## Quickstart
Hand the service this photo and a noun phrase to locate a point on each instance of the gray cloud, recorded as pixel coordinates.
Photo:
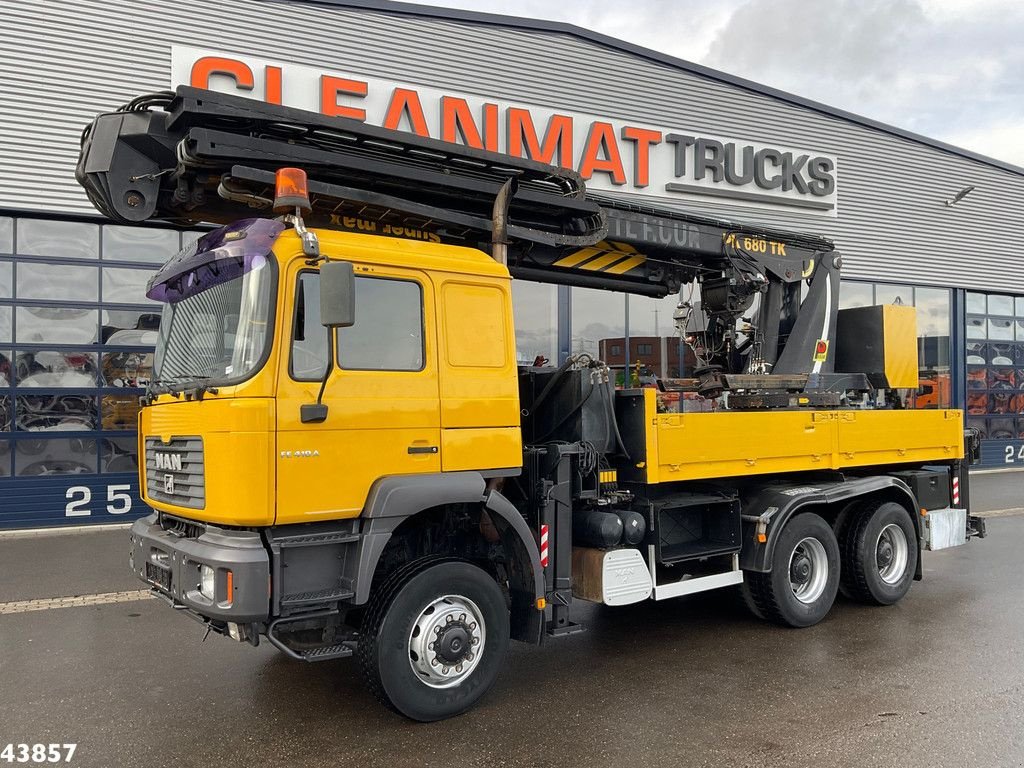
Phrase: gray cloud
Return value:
(949, 69)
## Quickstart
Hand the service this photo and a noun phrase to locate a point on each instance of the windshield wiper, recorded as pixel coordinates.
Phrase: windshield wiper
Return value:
(177, 385)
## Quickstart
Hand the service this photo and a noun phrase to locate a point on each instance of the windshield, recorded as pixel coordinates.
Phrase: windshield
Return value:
(217, 335)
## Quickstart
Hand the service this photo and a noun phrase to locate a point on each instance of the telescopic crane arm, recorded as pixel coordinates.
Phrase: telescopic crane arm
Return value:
(193, 156)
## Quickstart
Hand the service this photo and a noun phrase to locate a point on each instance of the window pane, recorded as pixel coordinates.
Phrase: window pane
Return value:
(597, 316)
(894, 294)
(56, 325)
(535, 308)
(119, 454)
(6, 234)
(61, 239)
(119, 412)
(1000, 329)
(127, 369)
(62, 282)
(55, 413)
(932, 311)
(976, 303)
(130, 328)
(388, 332)
(1000, 305)
(309, 338)
(50, 369)
(5, 323)
(854, 295)
(933, 348)
(61, 456)
(125, 286)
(5, 414)
(138, 244)
(6, 370)
(652, 326)
(977, 328)
(6, 279)
(5, 458)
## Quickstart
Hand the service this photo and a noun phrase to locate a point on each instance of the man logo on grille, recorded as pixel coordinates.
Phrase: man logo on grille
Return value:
(168, 483)
(170, 461)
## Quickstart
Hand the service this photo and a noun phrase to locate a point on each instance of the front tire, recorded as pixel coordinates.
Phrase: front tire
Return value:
(434, 638)
(801, 587)
(879, 554)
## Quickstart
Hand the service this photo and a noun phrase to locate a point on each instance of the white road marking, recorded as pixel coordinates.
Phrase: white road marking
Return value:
(49, 603)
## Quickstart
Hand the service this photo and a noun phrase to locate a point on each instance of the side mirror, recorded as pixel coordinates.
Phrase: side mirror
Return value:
(337, 294)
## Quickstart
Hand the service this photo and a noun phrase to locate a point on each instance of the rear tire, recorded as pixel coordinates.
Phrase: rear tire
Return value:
(879, 554)
(434, 637)
(802, 584)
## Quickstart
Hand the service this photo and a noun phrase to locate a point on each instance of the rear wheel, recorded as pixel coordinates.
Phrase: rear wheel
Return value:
(434, 638)
(802, 585)
(879, 554)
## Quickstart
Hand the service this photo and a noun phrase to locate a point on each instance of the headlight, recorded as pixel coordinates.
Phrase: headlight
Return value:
(207, 582)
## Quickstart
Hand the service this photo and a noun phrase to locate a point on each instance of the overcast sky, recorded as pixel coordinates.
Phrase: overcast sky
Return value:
(948, 69)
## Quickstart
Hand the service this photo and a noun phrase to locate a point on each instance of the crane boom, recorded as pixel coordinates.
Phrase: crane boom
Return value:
(191, 156)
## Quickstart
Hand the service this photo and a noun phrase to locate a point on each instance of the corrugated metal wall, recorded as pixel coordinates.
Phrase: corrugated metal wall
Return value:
(60, 63)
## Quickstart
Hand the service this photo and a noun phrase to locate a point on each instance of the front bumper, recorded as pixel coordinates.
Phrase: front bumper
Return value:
(170, 562)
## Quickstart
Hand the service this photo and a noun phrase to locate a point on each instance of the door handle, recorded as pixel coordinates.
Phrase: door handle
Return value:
(422, 449)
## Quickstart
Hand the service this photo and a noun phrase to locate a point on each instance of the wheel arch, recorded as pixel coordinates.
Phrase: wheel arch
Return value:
(399, 501)
(767, 511)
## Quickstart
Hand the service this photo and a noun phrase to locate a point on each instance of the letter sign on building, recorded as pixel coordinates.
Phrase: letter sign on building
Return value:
(611, 154)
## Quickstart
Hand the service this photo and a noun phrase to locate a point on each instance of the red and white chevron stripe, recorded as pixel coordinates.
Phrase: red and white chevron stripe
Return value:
(956, 491)
(543, 546)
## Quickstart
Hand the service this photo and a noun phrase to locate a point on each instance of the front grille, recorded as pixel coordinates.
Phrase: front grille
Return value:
(177, 526)
(174, 471)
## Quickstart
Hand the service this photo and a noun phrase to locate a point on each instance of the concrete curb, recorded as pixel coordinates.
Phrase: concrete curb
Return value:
(31, 533)
(1001, 512)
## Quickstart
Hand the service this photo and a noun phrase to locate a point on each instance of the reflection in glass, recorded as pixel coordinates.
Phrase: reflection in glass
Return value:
(894, 294)
(137, 244)
(6, 279)
(55, 456)
(48, 368)
(388, 332)
(61, 239)
(6, 234)
(56, 325)
(5, 324)
(127, 368)
(5, 458)
(130, 328)
(125, 286)
(1000, 305)
(120, 412)
(654, 341)
(6, 371)
(855, 295)
(596, 315)
(535, 308)
(118, 454)
(55, 413)
(63, 282)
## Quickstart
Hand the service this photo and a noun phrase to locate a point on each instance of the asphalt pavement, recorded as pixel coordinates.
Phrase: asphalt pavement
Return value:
(937, 680)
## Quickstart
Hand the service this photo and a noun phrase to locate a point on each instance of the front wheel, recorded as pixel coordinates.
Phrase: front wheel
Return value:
(434, 638)
(802, 584)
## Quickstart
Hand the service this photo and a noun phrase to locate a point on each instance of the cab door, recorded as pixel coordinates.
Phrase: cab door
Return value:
(382, 397)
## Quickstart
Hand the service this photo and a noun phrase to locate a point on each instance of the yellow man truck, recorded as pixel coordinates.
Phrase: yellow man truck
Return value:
(344, 457)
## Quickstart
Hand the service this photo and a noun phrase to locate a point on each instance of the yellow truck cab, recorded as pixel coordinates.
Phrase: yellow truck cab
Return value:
(345, 458)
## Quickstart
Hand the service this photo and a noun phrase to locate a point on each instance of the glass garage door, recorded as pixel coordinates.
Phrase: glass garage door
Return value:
(76, 352)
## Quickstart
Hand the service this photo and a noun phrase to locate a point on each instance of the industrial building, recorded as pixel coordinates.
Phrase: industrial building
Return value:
(76, 331)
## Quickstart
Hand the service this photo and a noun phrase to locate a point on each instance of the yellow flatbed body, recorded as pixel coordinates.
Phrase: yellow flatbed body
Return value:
(705, 446)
